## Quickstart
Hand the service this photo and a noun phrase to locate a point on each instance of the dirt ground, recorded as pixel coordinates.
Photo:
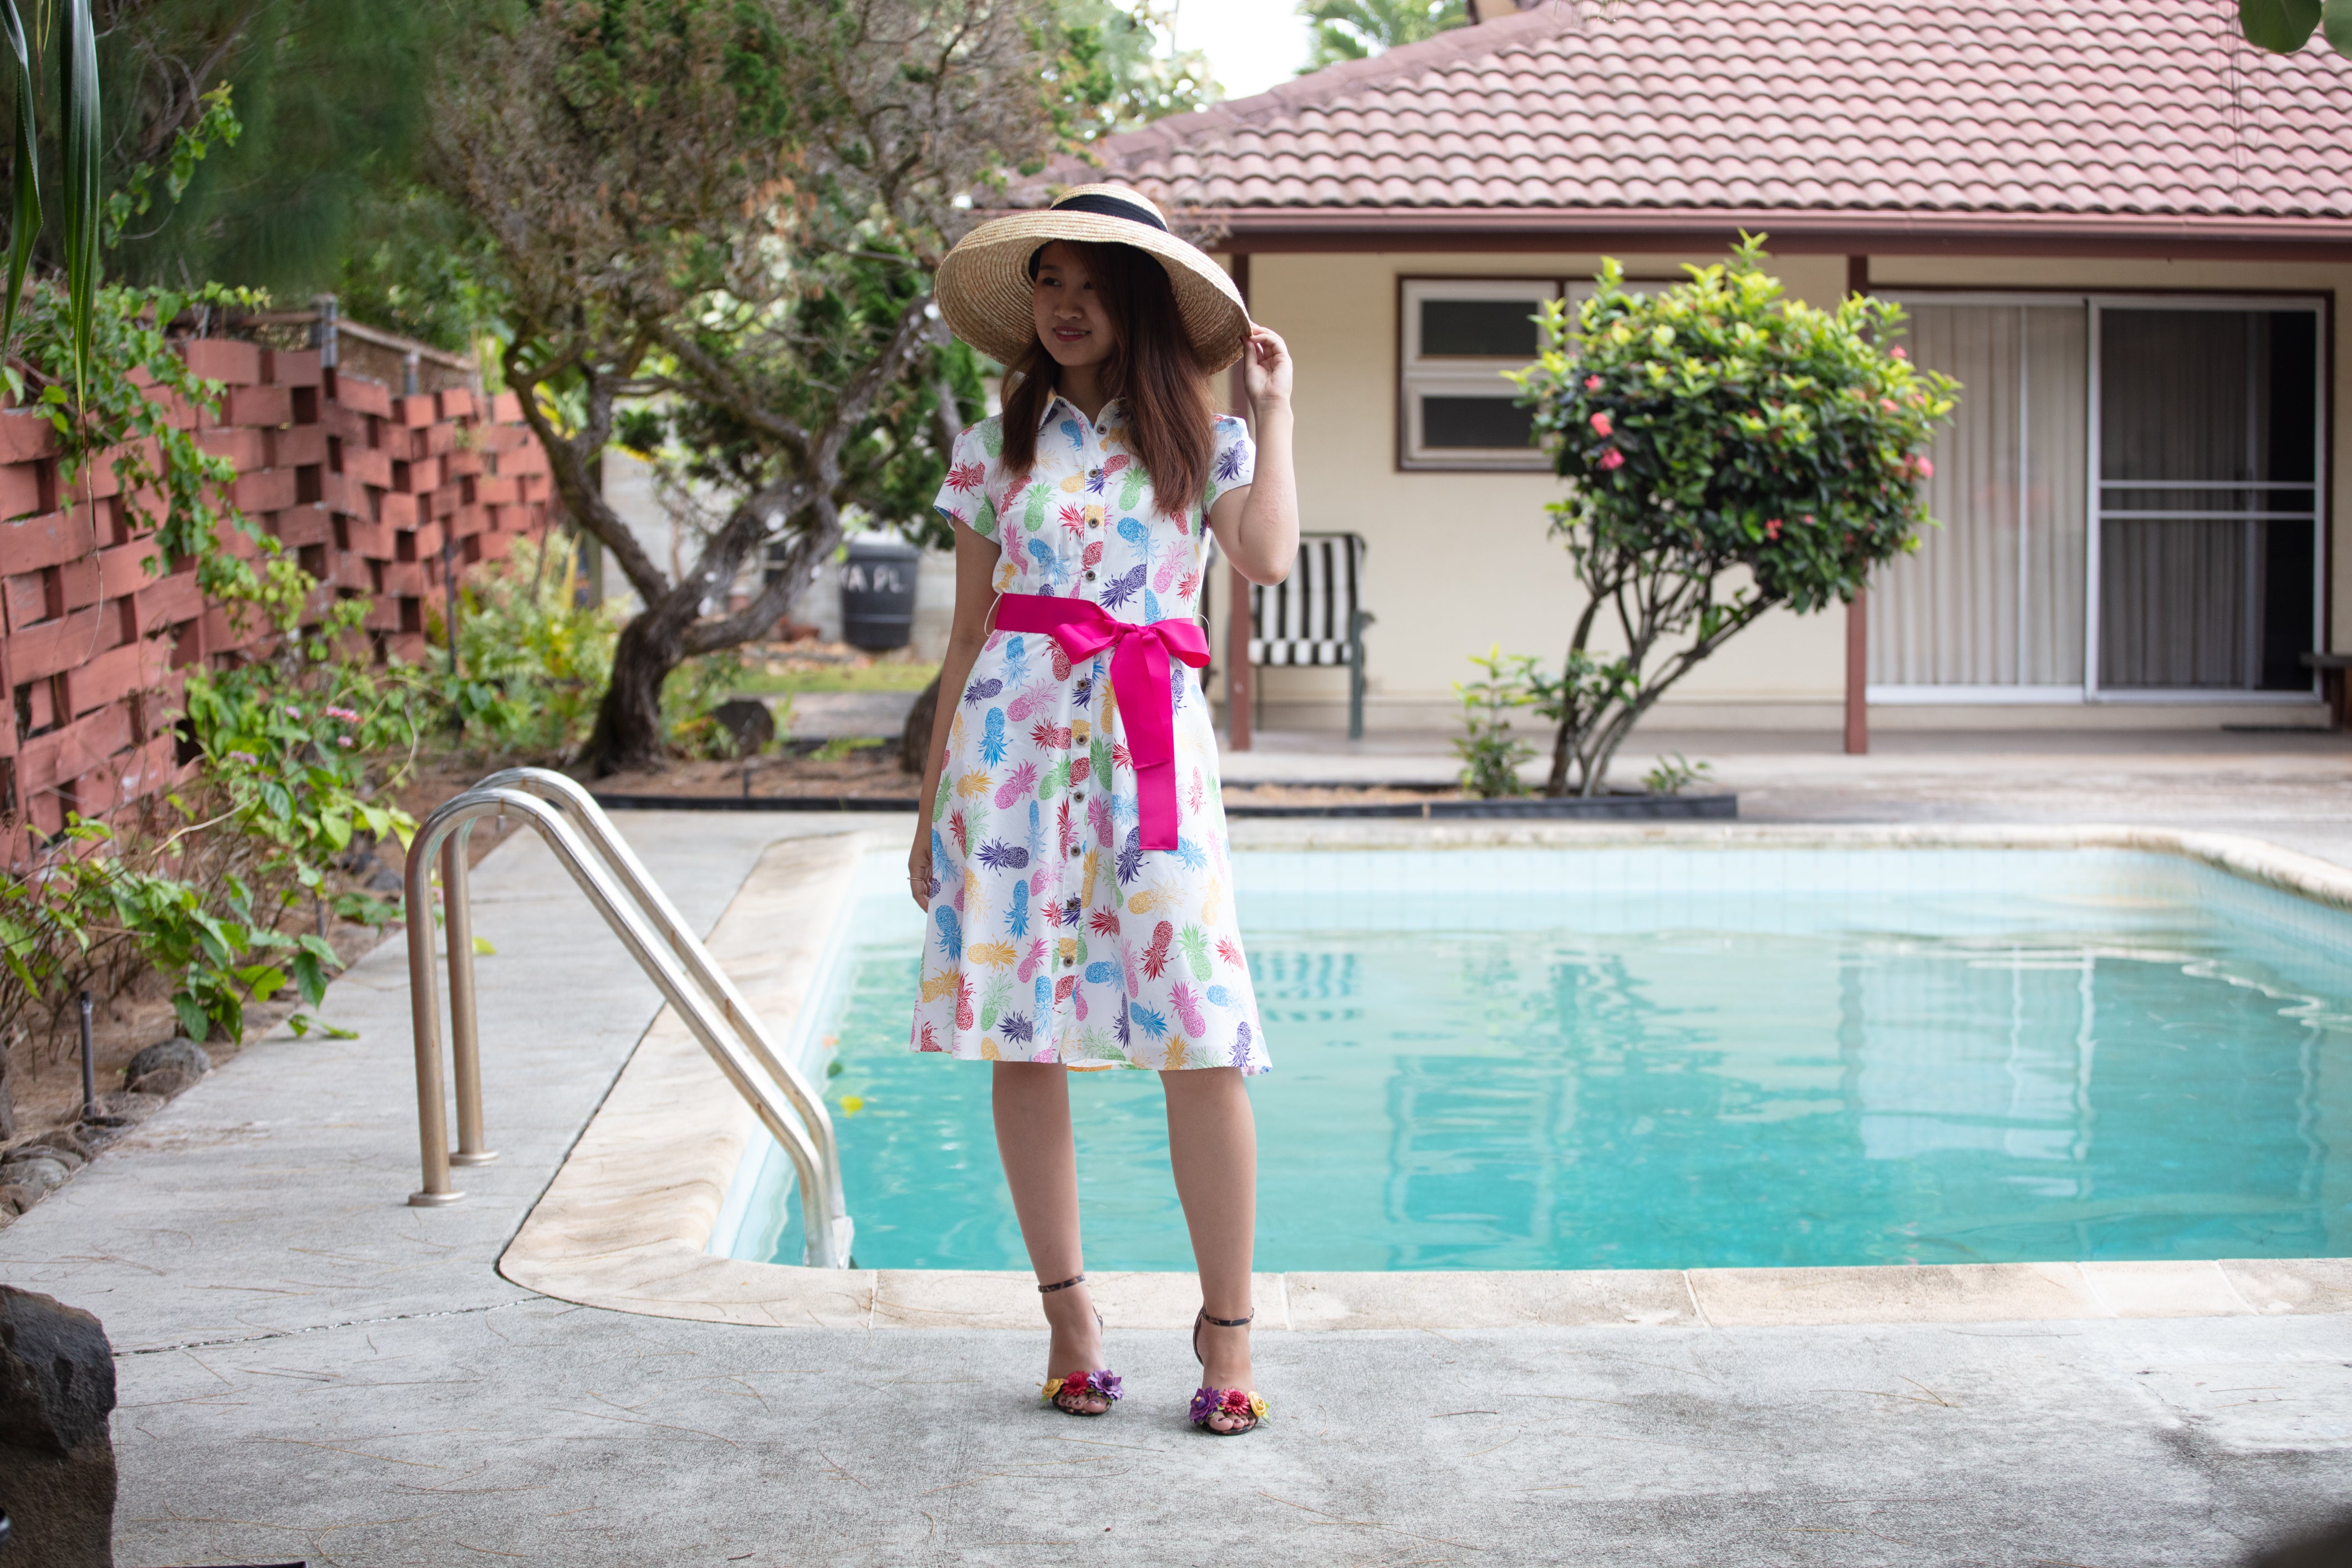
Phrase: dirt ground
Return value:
(870, 773)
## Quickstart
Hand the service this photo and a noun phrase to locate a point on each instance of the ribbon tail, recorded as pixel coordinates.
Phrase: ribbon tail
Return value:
(1139, 671)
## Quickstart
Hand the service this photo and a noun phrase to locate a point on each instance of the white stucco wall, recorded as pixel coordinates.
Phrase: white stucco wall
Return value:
(1456, 562)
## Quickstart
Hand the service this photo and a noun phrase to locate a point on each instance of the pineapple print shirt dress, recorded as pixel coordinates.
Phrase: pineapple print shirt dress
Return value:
(1054, 934)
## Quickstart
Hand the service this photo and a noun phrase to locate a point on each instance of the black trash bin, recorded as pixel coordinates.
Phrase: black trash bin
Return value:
(877, 593)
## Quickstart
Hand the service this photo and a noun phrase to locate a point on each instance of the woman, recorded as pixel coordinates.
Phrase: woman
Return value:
(1074, 867)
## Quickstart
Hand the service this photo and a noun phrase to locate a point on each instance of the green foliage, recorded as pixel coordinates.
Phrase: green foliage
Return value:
(534, 659)
(692, 690)
(335, 99)
(1673, 774)
(91, 913)
(1356, 30)
(1113, 72)
(300, 753)
(415, 268)
(81, 145)
(1729, 450)
(1490, 753)
(137, 376)
(307, 749)
(533, 662)
(1717, 422)
(893, 464)
(217, 122)
(2283, 27)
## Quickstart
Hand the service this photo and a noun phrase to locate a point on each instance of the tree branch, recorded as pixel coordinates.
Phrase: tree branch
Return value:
(568, 458)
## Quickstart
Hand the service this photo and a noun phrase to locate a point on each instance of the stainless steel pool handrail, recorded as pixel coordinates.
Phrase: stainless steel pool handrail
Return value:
(652, 930)
(567, 795)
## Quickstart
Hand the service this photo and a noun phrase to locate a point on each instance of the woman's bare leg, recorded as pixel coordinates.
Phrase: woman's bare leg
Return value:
(1212, 1149)
(1031, 1101)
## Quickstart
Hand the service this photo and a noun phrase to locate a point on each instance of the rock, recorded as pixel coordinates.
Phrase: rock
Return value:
(92, 1133)
(40, 1174)
(57, 1457)
(178, 1051)
(132, 1106)
(15, 1200)
(749, 722)
(60, 1145)
(385, 881)
(169, 1082)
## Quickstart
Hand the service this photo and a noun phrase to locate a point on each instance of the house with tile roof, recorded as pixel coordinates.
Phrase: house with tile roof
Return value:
(2123, 229)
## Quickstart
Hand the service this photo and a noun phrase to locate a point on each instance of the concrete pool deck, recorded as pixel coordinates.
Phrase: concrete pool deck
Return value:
(310, 1369)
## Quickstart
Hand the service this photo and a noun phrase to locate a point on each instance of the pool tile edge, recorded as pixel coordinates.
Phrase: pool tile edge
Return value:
(623, 1225)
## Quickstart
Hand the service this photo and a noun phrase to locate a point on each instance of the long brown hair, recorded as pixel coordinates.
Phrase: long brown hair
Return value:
(1151, 370)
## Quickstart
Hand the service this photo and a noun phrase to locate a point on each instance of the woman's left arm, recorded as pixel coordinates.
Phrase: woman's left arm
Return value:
(1256, 524)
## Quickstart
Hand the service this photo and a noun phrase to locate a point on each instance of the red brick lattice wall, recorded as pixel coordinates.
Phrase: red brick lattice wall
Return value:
(361, 486)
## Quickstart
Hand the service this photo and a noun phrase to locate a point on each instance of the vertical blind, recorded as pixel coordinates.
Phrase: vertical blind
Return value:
(1994, 597)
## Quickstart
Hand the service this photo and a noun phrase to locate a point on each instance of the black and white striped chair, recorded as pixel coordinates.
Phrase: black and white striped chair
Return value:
(1316, 615)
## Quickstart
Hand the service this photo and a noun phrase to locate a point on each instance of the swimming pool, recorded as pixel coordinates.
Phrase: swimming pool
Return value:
(1671, 1057)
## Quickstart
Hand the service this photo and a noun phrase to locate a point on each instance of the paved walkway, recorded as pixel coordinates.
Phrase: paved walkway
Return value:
(2293, 789)
(310, 1369)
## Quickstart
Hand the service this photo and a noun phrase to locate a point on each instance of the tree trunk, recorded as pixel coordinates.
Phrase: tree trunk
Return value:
(629, 734)
(915, 739)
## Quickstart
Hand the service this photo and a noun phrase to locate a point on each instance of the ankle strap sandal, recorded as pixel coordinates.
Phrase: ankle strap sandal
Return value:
(1066, 1393)
(1241, 1405)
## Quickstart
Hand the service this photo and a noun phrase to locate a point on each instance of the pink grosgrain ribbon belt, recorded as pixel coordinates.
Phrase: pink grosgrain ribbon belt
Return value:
(1139, 678)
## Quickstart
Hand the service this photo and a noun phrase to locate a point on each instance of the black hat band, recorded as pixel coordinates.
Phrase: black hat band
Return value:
(1110, 206)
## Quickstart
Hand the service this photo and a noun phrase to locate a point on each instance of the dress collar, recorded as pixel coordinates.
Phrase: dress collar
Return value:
(1062, 407)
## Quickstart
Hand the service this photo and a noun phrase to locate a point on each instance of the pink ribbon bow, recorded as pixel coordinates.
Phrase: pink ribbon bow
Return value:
(1139, 678)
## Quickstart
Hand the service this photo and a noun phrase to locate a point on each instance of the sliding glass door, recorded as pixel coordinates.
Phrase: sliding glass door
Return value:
(2129, 502)
(2208, 498)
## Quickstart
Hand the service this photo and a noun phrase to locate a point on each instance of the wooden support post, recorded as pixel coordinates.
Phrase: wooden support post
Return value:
(1857, 676)
(1237, 587)
(1857, 613)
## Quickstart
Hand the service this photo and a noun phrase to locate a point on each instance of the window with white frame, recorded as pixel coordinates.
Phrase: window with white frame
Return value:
(2129, 495)
(1460, 335)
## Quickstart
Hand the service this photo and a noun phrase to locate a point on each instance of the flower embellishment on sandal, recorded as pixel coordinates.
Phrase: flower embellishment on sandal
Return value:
(1235, 1405)
(1083, 1385)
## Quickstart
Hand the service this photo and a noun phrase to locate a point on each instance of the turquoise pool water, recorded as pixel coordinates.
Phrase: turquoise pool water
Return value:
(1673, 1058)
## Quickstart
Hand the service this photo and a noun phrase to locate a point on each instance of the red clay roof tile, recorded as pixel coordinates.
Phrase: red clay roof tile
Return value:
(2157, 110)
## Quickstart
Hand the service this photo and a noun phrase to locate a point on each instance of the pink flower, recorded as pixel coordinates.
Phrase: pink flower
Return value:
(1772, 528)
(1612, 459)
(1592, 383)
(1897, 352)
(1601, 426)
(1887, 403)
(343, 740)
(1926, 469)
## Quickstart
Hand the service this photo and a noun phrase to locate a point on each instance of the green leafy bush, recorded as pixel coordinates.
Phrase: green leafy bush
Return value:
(1490, 753)
(98, 914)
(533, 663)
(1729, 451)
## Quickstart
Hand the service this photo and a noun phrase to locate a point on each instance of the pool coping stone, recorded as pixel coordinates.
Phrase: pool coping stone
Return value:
(624, 1224)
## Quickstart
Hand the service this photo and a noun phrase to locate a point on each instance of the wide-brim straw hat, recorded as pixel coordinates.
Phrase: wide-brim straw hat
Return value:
(984, 287)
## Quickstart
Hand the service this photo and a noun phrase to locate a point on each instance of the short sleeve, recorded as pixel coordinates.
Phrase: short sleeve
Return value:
(1235, 458)
(963, 495)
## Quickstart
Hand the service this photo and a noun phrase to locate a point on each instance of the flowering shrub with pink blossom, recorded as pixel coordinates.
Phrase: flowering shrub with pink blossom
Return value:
(1729, 450)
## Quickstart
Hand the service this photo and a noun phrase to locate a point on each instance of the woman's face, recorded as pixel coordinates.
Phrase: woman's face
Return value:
(1071, 320)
